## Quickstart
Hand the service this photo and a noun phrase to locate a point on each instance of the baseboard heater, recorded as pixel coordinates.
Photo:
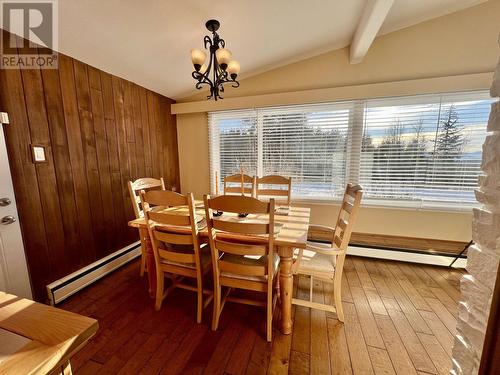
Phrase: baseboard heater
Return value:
(61, 289)
(404, 255)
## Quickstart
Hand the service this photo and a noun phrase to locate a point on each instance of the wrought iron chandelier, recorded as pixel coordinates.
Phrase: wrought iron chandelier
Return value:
(221, 69)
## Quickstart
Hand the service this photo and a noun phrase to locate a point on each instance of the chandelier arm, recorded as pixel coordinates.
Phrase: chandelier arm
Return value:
(208, 41)
(202, 80)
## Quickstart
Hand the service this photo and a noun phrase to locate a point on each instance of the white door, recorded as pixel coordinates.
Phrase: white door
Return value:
(14, 276)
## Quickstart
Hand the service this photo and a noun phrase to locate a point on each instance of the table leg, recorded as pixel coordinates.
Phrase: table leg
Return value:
(150, 261)
(286, 289)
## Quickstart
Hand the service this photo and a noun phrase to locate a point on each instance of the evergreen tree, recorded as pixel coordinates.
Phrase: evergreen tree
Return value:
(449, 146)
(450, 140)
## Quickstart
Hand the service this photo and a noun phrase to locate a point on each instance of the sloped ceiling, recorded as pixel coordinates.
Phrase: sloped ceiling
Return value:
(149, 41)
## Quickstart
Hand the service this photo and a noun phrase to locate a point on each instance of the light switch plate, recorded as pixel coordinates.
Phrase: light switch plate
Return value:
(4, 118)
(38, 153)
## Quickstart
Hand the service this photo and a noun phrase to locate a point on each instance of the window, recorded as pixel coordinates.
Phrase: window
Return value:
(420, 151)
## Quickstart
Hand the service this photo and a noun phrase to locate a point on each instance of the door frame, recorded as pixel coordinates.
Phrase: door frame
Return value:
(13, 264)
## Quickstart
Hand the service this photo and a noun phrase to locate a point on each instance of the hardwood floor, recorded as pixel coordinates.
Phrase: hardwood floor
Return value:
(400, 319)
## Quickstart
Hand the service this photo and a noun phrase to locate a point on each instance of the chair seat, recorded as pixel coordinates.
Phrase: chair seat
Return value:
(322, 245)
(316, 264)
(206, 257)
(249, 260)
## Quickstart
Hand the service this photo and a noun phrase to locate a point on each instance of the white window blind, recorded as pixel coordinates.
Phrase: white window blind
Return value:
(233, 143)
(309, 144)
(424, 149)
(410, 151)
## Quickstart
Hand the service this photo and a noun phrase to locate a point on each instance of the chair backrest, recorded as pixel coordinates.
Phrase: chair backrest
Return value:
(234, 186)
(274, 186)
(347, 216)
(250, 237)
(135, 187)
(172, 221)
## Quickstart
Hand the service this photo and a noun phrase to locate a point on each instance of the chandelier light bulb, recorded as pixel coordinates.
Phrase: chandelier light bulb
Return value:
(233, 68)
(203, 69)
(198, 58)
(223, 57)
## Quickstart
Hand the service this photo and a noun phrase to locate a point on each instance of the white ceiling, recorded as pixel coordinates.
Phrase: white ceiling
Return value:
(149, 41)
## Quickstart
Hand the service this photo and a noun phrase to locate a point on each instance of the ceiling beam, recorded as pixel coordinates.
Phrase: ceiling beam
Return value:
(369, 25)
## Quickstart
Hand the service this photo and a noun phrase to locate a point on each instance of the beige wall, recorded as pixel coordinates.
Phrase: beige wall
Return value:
(461, 43)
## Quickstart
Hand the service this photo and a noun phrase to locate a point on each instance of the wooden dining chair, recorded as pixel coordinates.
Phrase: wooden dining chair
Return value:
(275, 186)
(243, 255)
(134, 189)
(233, 185)
(173, 229)
(325, 261)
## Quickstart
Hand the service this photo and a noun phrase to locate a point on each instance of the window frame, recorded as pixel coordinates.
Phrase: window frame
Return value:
(356, 127)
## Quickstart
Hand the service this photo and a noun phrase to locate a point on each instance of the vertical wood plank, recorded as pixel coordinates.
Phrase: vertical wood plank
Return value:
(62, 162)
(86, 254)
(139, 139)
(100, 135)
(145, 132)
(90, 152)
(47, 183)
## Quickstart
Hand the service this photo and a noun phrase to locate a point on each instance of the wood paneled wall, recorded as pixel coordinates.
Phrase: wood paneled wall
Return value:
(99, 132)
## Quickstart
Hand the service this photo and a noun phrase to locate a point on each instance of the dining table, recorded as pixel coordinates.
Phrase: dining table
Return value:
(39, 339)
(294, 224)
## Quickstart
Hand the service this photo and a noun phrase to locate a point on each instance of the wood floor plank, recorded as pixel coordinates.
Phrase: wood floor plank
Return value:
(446, 300)
(351, 274)
(183, 353)
(438, 356)
(414, 296)
(415, 350)
(415, 280)
(166, 349)
(89, 368)
(375, 302)
(142, 356)
(424, 276)
(450, 289)
(439, 330)
(364, 277)
(299, 363)
(416, 299)
(380, 361)
(397, 352)
(280, 353)
(329, 297)
(358, 352)
(391, 303)
(220, 356)
(366, 320)
(259, 358)
(404, 302)
(112, 366)
(301, 339)
(340, 363)
(443, 314)
(319, 355)
(240, 356)
(346, 291)
(378, 279)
